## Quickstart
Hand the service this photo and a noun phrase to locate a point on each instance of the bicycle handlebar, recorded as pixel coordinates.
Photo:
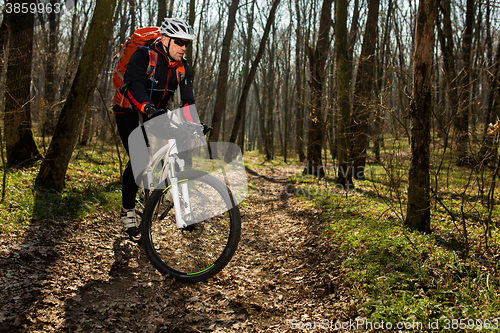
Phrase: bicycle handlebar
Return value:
(191, 128)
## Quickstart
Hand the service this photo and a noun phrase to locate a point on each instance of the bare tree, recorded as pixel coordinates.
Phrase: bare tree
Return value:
(299, 88)
(344, 178)
(462, 117)
(19, 142)
(363, 91)
(317, 61)
(489, 149)
(220, 100)
(162, 12)
(192, 17)
(248, 39)
(50, 72)
(418, 209)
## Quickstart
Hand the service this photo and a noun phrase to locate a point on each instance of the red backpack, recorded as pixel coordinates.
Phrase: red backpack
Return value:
(140, 38)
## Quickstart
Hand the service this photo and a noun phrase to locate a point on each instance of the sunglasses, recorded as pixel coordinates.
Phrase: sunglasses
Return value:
(181, 42)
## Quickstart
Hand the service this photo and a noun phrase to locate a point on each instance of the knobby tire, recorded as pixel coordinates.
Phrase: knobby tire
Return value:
(203, 249)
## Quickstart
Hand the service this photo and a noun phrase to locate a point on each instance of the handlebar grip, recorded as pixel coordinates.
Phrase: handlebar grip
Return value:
(206, 128)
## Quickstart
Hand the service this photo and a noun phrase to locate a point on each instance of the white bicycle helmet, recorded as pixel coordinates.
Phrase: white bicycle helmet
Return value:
(176, 28)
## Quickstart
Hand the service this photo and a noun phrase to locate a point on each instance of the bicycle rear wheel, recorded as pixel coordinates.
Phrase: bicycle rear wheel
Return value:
(203, 248)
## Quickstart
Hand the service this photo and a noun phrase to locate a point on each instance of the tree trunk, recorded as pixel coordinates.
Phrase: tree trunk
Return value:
(270, 78)
(246, 71)
(344, 178)
(4, 36)
(488, 148)
(382, 60)
(353, 36)
(162, 12)
(50, 74)
(192, 16)
(418, 210)
(363, 91)
(262, 122)
(317, 61)
(288, 60)
(462, 118)
(20, 144)
(87, 128)
(446, 40)
(489, 56)
(54, 166)
(171, 8)
(133, 15)
(300, 90)
(220, 99)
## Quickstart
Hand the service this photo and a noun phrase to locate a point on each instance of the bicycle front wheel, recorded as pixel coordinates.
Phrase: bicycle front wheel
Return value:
(207, 244)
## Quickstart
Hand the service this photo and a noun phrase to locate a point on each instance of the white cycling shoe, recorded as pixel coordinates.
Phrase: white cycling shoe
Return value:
(131, 223)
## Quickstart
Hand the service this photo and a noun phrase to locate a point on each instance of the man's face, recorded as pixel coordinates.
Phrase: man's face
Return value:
(176, 51)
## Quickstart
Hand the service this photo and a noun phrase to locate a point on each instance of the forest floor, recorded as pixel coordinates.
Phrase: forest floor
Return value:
(86, 276)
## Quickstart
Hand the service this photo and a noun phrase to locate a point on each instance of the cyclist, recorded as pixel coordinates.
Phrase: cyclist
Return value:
(170, 48)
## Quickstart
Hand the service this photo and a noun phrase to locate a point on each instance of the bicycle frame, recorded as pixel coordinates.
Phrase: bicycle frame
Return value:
(168, 155)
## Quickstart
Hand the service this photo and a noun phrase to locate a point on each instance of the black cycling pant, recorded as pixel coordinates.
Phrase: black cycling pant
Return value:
(126, 123)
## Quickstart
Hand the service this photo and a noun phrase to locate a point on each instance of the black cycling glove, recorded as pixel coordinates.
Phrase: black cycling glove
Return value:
(151, 111)
(206, 128)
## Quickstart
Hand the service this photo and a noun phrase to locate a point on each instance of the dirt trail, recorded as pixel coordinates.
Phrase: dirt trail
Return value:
(87, 277)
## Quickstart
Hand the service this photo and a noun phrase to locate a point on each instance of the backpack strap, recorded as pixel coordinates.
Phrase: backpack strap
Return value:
(178, 94)
(181, 72)
(181, 75)
(153, 58)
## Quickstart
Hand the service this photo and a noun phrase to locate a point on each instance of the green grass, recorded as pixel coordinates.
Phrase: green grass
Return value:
(397, 275)
(255, 160)
(90, 188)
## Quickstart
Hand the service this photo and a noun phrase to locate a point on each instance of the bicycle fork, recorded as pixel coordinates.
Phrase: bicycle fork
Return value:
(175, 191)
(169, 173)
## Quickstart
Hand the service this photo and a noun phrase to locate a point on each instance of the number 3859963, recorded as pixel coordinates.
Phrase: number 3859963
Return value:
(24, 8)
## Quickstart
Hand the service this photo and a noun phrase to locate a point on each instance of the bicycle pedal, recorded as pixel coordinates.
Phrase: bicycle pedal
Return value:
(190, 227)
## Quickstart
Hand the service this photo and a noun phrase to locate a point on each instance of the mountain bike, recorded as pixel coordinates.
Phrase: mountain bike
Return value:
(191, 223)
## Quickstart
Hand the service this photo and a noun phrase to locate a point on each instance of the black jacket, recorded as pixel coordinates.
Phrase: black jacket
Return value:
(165, 80)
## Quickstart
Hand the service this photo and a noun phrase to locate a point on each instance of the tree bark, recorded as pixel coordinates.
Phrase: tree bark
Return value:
(446, 41)
(462, 118)
(382, 60)
(363, 91)
(353, 36)
(317, 61)
(287, 88)
(270, 78)
(19, 142)
(50, 73)
(344, 178)
(192, 17)
(418, 210)
(162, 12)
(220, 99)
(171, 8)
(300, 90)
(489, 148)
(54, 166)
(489, 60)
(240, 140)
